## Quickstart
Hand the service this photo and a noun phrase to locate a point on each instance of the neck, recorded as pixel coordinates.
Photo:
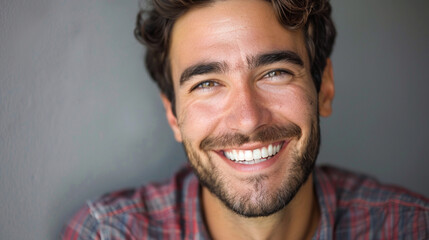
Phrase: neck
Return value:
(298, 220)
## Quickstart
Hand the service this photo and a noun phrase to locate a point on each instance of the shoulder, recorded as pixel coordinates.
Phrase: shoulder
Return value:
(355, 189)
(366, 204)
(144, 212)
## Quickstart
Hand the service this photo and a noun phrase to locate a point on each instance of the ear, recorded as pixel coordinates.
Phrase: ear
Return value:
(171, 118)
(327, 90)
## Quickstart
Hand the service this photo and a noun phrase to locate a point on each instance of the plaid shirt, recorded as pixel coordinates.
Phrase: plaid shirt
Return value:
(352, 207)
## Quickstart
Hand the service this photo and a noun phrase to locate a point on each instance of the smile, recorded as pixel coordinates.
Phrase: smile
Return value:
(253, 156)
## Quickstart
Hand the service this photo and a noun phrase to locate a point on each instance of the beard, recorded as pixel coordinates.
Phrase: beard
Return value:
(258, 200)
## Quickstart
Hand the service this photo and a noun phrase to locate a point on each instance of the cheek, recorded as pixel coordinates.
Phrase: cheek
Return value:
(202, 118)
(297, 104)
(300, 107)
(199, 119)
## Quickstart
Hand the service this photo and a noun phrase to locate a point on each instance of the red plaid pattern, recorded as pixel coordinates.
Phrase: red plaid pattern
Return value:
(352, 207)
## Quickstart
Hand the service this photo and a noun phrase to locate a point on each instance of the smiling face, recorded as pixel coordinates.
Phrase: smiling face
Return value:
(247, 108)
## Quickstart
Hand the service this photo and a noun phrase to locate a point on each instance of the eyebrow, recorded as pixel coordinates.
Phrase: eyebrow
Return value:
(200, 69)
(252, 62)
(274, 57)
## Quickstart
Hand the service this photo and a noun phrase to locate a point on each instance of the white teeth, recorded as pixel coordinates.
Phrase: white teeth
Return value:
(240, 155)
(270, 150)
(256, 154)
(264, 152)
(253, 156)
(248, 155)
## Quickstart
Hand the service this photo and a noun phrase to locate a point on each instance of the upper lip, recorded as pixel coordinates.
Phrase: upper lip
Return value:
(251, 146)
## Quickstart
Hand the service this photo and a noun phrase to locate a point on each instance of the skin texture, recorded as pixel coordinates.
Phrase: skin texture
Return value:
(245, 100)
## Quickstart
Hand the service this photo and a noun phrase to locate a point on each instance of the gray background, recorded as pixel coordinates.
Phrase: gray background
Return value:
(80, 117)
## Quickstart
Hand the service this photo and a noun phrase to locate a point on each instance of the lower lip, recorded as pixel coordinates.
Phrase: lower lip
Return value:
(254, 167)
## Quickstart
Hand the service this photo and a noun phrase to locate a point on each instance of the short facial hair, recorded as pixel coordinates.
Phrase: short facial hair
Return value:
(266, 203)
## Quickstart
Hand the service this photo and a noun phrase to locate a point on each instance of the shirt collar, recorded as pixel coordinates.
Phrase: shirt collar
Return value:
(195, 227)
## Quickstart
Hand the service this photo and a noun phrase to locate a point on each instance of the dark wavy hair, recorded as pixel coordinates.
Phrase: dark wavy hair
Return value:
(153, 29)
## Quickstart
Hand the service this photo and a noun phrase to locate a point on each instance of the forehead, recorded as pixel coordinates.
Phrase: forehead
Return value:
(230, 32)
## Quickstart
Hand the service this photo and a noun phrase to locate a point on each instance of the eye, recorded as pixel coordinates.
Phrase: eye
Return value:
(206, 85)
(278, 73)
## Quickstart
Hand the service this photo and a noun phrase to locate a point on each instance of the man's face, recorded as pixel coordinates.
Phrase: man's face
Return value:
(247, 108)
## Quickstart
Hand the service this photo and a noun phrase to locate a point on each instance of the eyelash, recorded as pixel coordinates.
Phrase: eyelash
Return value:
(279, 73)
(201, 85)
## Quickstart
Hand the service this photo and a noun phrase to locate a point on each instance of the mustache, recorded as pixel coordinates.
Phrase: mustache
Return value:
(265, 134)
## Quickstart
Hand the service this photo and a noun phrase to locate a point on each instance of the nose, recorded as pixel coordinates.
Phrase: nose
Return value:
(247, 111)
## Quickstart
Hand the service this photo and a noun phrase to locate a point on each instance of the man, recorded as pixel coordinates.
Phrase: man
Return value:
(243, 83)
